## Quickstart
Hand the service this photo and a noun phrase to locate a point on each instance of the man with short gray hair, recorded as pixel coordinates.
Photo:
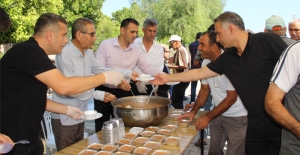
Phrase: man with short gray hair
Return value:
(294, 29)
(154, 53)
(275, 24)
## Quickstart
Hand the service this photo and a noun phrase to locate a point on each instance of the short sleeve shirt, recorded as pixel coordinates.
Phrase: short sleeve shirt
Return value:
(286, 77)
(23, 97)
(250, 74)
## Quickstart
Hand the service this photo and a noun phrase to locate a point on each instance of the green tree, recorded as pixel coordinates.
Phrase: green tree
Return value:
(182, 17)
(134, 11)
(23, 14)
(106, 28)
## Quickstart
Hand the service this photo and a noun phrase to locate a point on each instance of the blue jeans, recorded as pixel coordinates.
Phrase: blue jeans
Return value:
(193, 90)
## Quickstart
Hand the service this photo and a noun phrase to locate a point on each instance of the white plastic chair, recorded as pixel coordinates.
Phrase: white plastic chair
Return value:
(49, 139)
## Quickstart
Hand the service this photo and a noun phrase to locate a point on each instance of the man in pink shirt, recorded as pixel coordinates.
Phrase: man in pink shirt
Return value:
(120, 53)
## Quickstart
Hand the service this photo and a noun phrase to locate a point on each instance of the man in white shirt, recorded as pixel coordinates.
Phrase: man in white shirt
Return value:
(154, 54)
(228, 120)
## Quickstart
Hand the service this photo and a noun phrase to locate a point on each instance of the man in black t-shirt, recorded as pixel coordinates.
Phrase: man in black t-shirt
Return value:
(26, 71)
(248, 62)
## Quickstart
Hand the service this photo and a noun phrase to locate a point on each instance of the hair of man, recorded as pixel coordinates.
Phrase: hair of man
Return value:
(80, 25)
(212, 35)
(5, 22)
(150, 22)
(294, 20)
(126, 22)
(47, 20)
(231, 18)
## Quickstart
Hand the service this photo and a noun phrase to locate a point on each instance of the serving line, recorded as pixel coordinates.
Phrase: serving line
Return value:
(186, 135)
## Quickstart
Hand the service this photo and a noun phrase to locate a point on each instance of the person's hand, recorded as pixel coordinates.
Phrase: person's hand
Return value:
(141, 87)
(74, 112)
(134, 75)
(124, 85)
(113, 78)
(202, 122)
(103, 96)
(191, 115)
(5, 139)
(160, 79)
(187, 107)
(108, 97)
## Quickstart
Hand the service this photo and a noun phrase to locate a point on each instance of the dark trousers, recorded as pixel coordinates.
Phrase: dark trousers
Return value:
(260, 142)
(193, 90)
(28, 149)
(66, 135)
(106, 109)
(178, 94)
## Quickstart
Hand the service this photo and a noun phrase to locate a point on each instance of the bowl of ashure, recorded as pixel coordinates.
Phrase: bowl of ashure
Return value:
(141, 114)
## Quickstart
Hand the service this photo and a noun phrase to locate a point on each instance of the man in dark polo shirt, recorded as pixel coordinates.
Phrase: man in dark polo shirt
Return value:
(26, 71)
(248, 62)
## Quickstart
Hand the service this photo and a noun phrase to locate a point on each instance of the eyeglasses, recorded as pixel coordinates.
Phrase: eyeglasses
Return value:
(92, 34)
(173, 42)
(294, 30)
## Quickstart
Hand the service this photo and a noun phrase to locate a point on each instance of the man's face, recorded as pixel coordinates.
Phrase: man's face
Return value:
(87, 37)
(223, 34)
(204, 47)
(130, 32)
(150, 32)
(59, 38)
(175, 44)
(294, 30)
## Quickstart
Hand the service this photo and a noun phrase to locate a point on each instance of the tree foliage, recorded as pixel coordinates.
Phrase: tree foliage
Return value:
(23, 14)
(182, 17)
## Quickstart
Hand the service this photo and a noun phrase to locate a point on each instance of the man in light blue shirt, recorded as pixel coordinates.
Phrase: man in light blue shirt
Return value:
(77, 59)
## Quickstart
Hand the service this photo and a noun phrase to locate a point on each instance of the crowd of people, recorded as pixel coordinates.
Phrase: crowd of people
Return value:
(253, 80)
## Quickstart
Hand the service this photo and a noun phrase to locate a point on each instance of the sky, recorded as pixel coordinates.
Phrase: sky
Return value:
(253, 12)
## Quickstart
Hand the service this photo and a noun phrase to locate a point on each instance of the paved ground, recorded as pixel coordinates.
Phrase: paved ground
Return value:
(192, 149)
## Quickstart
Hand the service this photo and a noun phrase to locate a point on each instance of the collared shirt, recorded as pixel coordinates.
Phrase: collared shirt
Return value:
(155, 55)
(71, 62)
(111, 55)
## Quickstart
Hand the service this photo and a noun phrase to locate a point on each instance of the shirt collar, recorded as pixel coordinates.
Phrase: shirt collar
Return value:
(116, 44)
(140, 41)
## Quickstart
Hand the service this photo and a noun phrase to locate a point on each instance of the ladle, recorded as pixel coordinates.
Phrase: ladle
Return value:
(128, 78)
(6, 147)
(127, 106)
(154, 88)
(133, 96)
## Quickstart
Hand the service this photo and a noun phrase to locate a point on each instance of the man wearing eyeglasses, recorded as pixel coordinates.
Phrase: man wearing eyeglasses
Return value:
(294, 29)
(77, 59)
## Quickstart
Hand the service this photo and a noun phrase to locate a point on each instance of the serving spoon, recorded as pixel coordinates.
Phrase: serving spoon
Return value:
(6, 147)
(127, 106)
(154, 88)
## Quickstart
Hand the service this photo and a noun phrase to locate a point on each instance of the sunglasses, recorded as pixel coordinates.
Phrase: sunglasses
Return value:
(92, 34)
(173, 42)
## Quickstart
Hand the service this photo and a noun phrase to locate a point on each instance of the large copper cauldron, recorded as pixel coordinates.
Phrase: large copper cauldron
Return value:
(141, 115)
